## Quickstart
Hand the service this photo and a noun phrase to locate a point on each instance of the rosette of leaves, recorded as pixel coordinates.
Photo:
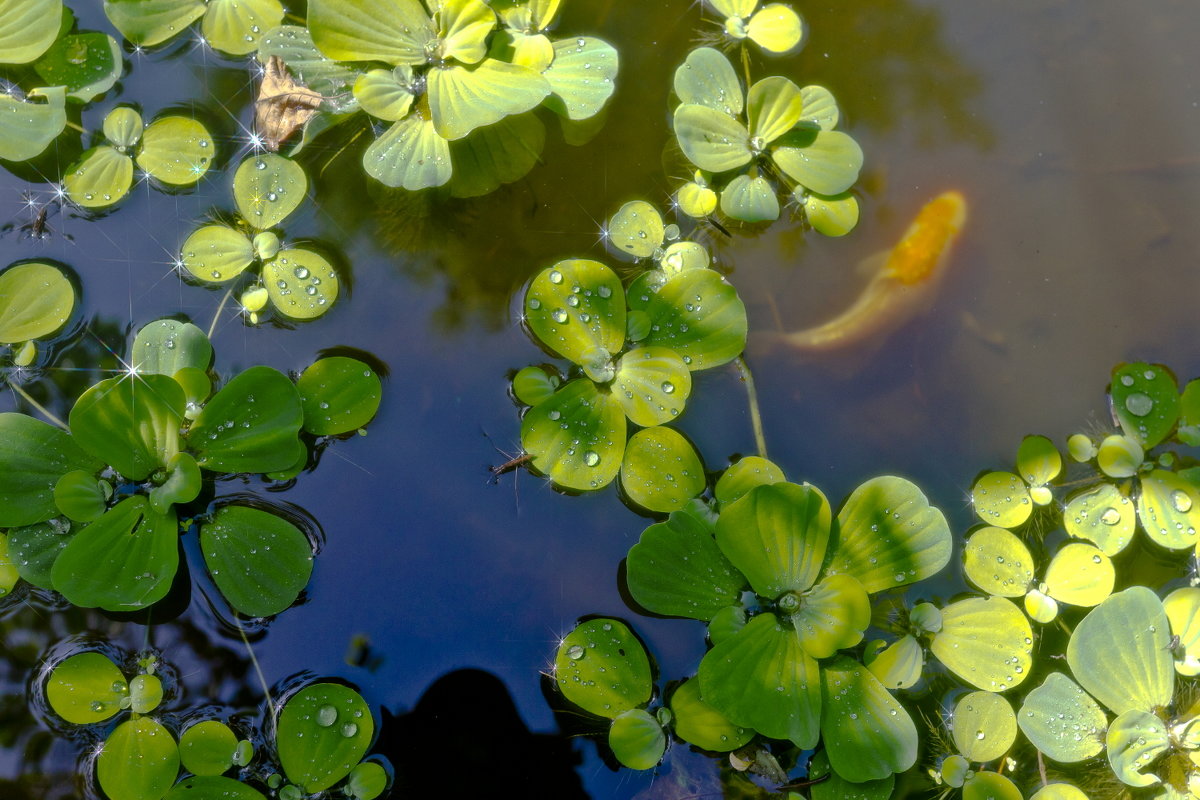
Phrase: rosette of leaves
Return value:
(322, 735)
(232, 26)
(786, 672)
(982, 728)
(1141, 484)
(139, 758)
(774, 27)
(1000, 564)
(455, 87)
(1120, 656)
(174, 150)
(93, 510)
(298, 282)
(36, 300)
(751, 146)
(634, 355)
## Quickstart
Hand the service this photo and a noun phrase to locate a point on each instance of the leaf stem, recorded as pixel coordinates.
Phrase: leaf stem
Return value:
(44, 411)
(76, 127)
(760, 440)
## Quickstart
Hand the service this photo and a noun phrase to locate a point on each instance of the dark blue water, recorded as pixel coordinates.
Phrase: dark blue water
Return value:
(1072, 128)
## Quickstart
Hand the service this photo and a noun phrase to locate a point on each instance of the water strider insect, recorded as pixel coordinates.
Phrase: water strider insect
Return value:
(38, 227)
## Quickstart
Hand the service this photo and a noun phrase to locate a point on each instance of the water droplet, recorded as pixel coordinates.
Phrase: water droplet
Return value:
(1181, 500)
(555, 276)
(604, 292)
(668, 387)
(574, 652)
(559, 315)
(591, 458)
(534, 303)
(1139, 404)
(326, 715)
(1110, 516)
(1127, 380)
(349, 729)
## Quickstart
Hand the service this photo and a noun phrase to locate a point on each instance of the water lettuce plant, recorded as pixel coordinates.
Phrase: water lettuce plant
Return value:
(775, 27)
(173, 150)
(456, 79)
(298, 282)
(633, 352)
(94, 509)
(318, 738)
(752, 146)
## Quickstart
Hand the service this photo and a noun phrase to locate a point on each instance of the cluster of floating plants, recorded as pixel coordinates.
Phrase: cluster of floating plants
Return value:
(93, 509)
(751, 146)
(633, 351)
(1076, 692)
(313, 741)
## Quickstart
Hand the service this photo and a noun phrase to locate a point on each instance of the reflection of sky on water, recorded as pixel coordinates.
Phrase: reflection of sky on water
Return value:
(1066, 126)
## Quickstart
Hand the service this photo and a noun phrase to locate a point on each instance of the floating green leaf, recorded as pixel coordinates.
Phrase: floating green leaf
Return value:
(637, 739)
(984, 726)
(775, 28)
(393, 31)
(121, 562)
(251, 425)
(132, 422)
(1120, 652)
(661, 470)
(88, 64)
(711, 139)
(1058, 791)
(151, 22)
(750, 198)
(181, 485)
(1103, 516)
(867, 733)
(165, 346)
(1079, 574)
(1183, 611)
(300, 283)
(1145, 398)
(698, 723)
(33, 549)
(208, 787)
(707, 78)
(773, 106)
(677, 569)
(900, 664)
(761, 678)
(577, 309)
(577, 437)
(462, 98)
(410, 155)
(828, 785)
(832, 615)
(825, 162)
(744, 475)
(582, 76)
(385, 93)
(1134, 741)
(602, 668)
(259, 561)
(27, 29)
(86, 688)
(145, 693)
(339, 394)
(986, 642)
(216, 253)
(496, 154)
(79, 496)
(323, 731)
(636, 229)
(33, 456)
(776, 535)
(206, 748)
(1119, 456)
(267, 188)
(1062, 721)
(1001, 498)
(236, 26)
(101, 177)
(697, 314)
(834, 215)
(27, 128)
(367, 781)
(1169, 509)
(532, 385)
(998, 562)
(990, 786)
(139, 761)
(36, 300)
(889, 535)
(177, 150)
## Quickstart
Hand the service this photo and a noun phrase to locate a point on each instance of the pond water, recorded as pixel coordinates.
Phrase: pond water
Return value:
(1072, 127)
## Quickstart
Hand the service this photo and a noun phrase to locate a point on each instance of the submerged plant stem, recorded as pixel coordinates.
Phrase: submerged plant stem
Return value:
(237, 620)
(41, 408)
(220, 308)
(760, 440)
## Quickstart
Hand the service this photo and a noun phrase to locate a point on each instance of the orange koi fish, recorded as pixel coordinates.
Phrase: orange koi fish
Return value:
(902, 284)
